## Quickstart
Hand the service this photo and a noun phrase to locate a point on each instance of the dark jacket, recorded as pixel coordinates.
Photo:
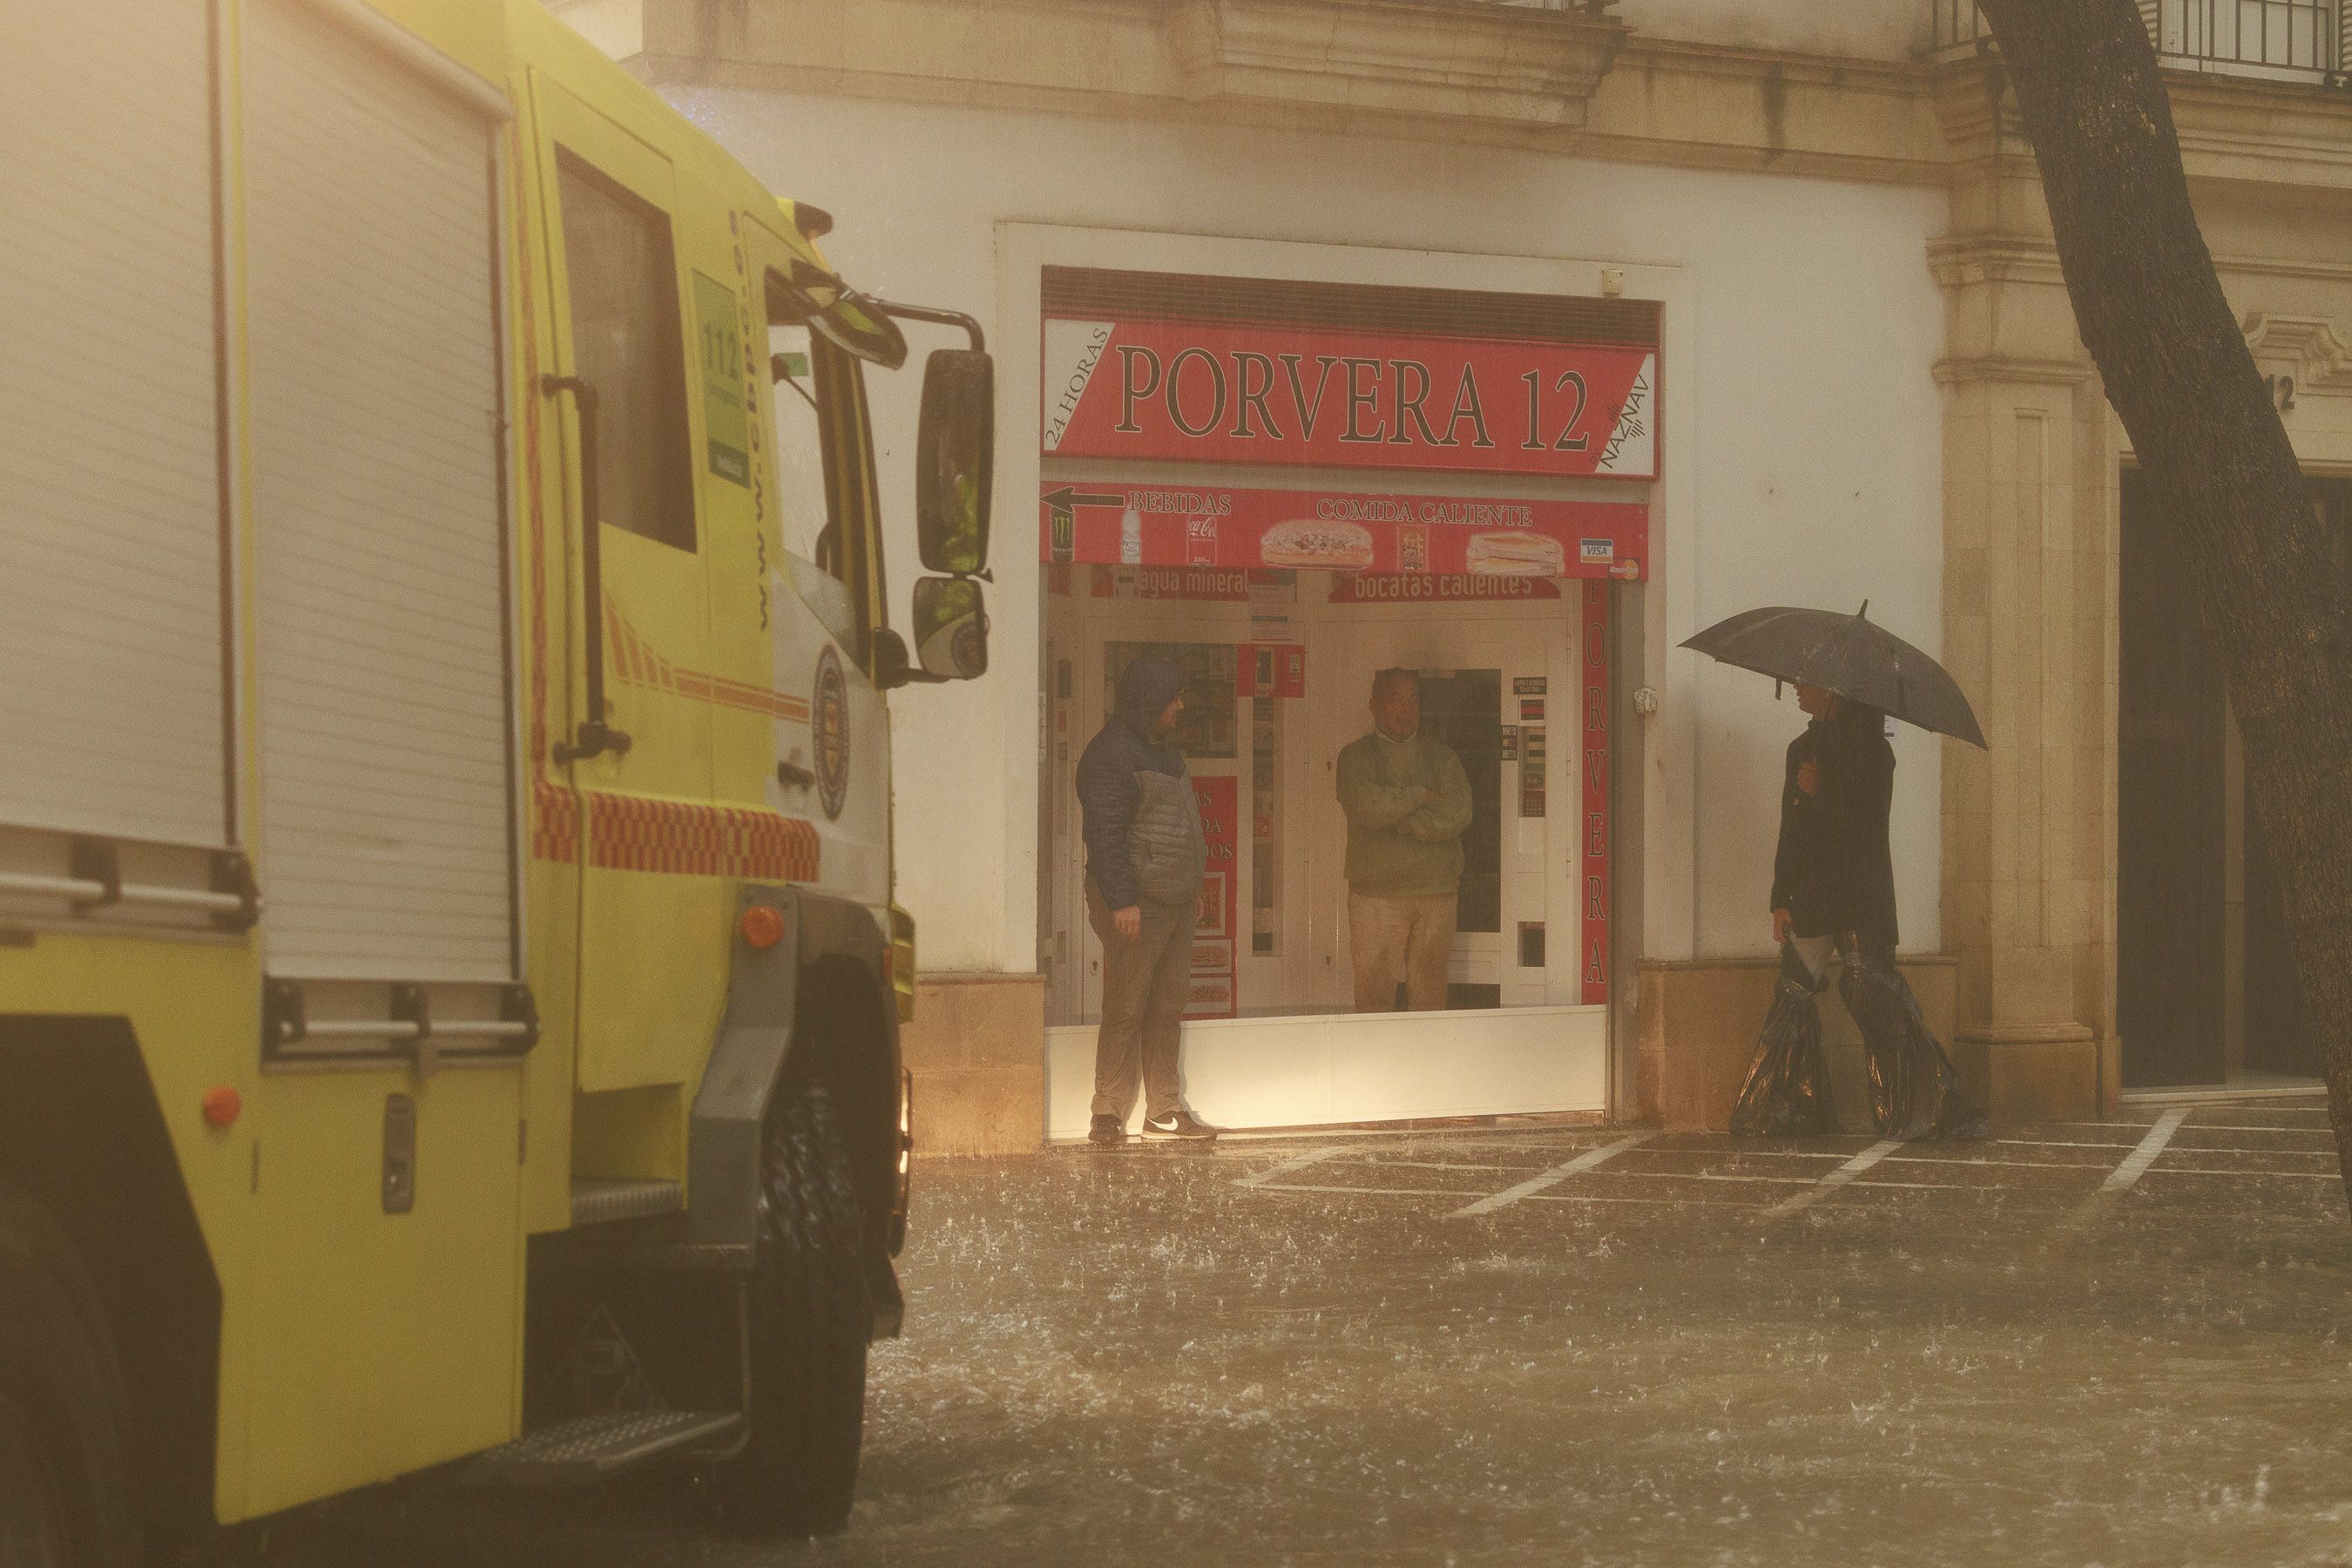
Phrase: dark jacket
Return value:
(1110, 795)
(1834, 871)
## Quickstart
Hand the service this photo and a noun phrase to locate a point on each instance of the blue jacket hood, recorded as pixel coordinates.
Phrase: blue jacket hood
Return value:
(1147, 687)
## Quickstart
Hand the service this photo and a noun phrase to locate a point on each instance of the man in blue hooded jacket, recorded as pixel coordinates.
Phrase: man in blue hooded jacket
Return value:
(1146, 858)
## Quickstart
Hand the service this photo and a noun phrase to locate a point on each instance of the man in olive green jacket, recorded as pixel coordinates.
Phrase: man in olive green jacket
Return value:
(1407, 801)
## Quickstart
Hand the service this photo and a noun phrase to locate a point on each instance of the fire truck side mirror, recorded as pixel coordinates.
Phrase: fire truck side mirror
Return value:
(954, 463)
(950, 628)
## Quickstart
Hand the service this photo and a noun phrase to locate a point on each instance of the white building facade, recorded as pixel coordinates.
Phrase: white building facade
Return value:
(1810, 235)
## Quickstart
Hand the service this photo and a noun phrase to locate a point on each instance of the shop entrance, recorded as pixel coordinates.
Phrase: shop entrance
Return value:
(2205, 991)
(1285, 487)
(1279, 668)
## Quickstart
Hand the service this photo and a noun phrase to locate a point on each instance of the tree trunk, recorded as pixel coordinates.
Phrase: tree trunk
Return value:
(2231, 501)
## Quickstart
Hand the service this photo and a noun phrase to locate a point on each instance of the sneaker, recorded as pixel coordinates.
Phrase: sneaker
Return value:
(1107, 1131)
(1177, 1124)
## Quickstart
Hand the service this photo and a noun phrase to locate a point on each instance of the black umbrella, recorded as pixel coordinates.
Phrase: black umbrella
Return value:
(1847, 655)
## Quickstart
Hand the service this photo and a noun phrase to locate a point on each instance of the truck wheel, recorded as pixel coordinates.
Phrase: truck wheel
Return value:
(64, 1491)
(811, 1320)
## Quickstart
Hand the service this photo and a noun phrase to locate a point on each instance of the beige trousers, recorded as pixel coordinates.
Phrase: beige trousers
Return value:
(1146, 984)
(1400, 939)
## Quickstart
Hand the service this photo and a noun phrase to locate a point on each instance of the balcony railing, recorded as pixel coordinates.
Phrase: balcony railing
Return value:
(2284, 40)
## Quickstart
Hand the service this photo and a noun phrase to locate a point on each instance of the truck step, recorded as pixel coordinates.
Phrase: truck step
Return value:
(576, 1453)
(603, 1200)
(625, 1254)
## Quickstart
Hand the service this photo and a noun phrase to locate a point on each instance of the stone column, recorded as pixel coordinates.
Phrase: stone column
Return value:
(2029, 552)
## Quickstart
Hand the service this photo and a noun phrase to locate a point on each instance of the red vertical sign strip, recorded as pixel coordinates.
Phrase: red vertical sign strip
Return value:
(1214, 935)
(1593, 821)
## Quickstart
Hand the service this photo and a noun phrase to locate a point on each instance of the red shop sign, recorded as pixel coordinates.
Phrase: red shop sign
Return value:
(1270, 670)
(1209, 393)
(1217, 583)
(1340, 531)
(1450, 587)
(1593, 831)
(1215, 934)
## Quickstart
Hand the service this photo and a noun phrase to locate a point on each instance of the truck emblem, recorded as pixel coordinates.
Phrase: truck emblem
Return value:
(829, 717)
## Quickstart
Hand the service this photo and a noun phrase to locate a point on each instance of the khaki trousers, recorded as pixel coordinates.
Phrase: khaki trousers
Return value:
(1146, 984)
(1400, 939)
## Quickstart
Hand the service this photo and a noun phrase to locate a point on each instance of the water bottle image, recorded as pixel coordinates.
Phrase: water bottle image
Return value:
(1130, 537)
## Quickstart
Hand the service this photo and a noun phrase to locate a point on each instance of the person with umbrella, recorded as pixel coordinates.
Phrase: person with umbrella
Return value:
(1833, 874)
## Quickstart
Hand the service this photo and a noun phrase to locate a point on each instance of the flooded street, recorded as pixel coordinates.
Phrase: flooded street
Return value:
(2089, 1342)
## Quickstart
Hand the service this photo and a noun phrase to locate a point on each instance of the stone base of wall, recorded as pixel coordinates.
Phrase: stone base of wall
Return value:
(976, 1049)
(1698, 1020)
(2032, 1075)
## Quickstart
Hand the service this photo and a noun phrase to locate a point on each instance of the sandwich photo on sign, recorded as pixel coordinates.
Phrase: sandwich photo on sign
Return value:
(1515, 555)
(1312, 544)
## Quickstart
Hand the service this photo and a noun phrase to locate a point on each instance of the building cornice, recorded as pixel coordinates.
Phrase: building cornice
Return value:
(2014, 368)
(2234, 131)
(2261, 133)
(1438, 71)
(1567, 80)
(2323, 361)
(1966, 260)
(1707, 105)
(1515, 66)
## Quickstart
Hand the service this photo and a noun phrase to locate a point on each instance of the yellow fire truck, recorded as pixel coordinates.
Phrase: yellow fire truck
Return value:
(450, 987)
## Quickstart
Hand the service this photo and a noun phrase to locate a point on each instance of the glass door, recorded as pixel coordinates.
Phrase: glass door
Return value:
(1486, 692)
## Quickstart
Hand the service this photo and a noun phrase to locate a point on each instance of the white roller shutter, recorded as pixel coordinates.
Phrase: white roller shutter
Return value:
(383, 722)
(112, 692)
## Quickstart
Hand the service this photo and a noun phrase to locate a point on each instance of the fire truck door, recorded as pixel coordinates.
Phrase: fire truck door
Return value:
(639, 588)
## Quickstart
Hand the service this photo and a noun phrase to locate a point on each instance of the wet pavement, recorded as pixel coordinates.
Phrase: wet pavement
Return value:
(2114, 1343)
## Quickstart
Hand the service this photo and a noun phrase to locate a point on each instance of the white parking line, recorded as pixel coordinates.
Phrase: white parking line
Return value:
(2250, 1127)
(1951, 1159)
(2246, 1175)
(1679, 1198)
(1719, 1176)
(2129, 1126)
(2136, 1162)
(1742, 1152)
(1966, 1164)
(1835, 1179)
(1552, 1177)
(1364, 1191)
(2202, 1127)
(1736, 1204)
(2123, 1177)
(1299, 1163)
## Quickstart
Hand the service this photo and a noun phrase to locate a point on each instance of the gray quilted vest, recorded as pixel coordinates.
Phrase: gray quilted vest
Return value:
(1164, 843)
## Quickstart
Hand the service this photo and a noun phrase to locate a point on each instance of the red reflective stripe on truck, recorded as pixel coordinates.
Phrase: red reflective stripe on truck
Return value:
(636, 662)
(630, 834)
(554, 823)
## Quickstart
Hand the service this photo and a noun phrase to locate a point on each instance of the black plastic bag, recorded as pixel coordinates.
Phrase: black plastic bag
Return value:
(1787, 1094)
(1914, 1091)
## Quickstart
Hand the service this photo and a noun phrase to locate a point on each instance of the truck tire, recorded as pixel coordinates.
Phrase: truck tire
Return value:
(810, 1318)
(65, 1496)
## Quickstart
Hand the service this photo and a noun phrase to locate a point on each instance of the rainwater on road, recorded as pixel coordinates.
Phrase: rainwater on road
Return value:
(2110, 1342)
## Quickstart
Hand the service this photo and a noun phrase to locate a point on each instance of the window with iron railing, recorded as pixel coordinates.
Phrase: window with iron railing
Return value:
(2285, 40)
